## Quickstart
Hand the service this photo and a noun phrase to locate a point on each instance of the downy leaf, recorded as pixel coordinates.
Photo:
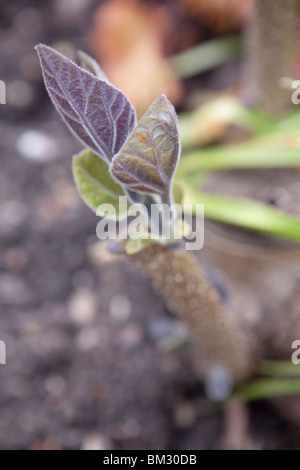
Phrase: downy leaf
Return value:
(94, 182)
(148, 159)
(99, 114)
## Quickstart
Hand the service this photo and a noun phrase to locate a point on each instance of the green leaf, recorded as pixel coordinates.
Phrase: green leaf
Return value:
(279, 369)
(149, 156)
(210, 54)
(245, 213)
(267, 388)
(288, 124)
(94, 181)
(262, 153)
(276, 145)
(178, 192)
(209, 122)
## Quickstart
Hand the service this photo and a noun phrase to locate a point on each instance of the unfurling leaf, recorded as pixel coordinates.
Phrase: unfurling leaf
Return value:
(94, 182)
(91, 65)
(99, 114)
(149, 156)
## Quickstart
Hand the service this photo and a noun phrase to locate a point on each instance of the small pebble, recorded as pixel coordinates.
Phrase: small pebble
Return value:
(91, 338)
(55, 385)
(185, 415)
(219, 385)
(119, 308)
(130, 429)
(95, 441)
(30, 331)
(82, 306)
(14, 290)
(12, 216)
(15, 258)
(130, 336)
(37, 146)
(99, 254)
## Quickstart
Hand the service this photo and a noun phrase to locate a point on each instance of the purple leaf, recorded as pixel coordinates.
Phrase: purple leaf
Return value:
(149, 156)
(99, 114)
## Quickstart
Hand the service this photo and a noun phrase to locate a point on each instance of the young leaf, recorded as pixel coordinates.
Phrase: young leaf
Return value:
(90, 64)
(94, 182)
(99, 114)
(149, 156)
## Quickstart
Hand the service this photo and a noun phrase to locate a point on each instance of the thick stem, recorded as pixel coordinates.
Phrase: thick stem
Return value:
(269, 46)
(177, 276)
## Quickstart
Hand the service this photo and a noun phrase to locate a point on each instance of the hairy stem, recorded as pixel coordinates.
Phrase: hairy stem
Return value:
(177, 276)
(269, 45)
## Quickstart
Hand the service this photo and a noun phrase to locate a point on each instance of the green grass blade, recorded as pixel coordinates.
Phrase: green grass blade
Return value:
(279, 369)
(209, 122)
(267, 388)
(245, 213)
(241, 157)
(206, 56)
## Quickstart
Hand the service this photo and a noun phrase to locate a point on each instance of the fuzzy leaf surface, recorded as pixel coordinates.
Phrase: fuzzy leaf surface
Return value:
(99, 114)
(149, 156)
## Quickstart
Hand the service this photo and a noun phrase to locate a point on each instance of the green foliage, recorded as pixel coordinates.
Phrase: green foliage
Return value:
(267, 388)
(143, 156)
(279, 369)
(94, 181)
(210, 54)
(262, 153)
(148, 158)
(245, 213)
(209, 122)
(281, 378)
(274, 144)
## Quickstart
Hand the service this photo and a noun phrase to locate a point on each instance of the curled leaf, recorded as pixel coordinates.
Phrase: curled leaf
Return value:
(99, 114)
(149, 156)
(94, 182)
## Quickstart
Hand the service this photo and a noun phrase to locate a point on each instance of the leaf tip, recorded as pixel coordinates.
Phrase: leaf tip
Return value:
(40, 48)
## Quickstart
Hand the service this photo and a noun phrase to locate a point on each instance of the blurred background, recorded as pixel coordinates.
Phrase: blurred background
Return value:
(94, 358)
